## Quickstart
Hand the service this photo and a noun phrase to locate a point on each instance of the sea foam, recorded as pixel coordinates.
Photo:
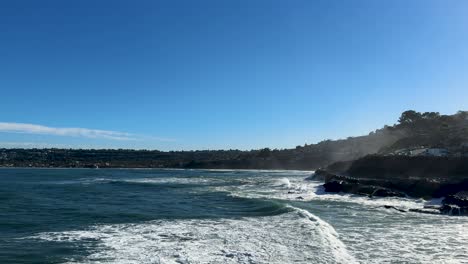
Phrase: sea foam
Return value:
(294, 237)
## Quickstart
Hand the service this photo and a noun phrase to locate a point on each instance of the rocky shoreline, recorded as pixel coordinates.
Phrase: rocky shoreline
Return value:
(390, 176)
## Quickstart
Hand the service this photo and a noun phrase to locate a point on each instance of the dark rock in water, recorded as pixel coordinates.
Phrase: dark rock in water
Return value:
(393, 207)
(459, 199)
(452, 209)
(360, 189)
(432, 206)
(336, 183)
(300, 198)
(454, 190)
(456, 204)
(381, 192)
(319, 175)
(391, 176)
(424, 177)
(425, 211)
(333, 186)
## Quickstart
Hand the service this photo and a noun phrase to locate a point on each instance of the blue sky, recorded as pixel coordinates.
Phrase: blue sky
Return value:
(216, 74)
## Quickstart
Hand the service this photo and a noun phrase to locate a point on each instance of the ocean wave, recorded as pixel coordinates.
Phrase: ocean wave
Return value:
(293, 237)
(146, 180)
(329, 237)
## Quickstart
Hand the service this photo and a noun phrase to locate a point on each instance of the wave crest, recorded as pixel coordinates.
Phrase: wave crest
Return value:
(294, 237)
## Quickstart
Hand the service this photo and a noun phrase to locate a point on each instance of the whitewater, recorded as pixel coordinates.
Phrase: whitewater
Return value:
(211, 216)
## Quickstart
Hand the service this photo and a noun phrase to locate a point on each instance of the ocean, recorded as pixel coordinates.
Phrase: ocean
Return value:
(211, 216)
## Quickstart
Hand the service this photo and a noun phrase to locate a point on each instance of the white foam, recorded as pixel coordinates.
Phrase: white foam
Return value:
(295, 237)
(329, 237)
(149, 180)
(414, 238)
(306, 190)
(174, 180)
(284, 182)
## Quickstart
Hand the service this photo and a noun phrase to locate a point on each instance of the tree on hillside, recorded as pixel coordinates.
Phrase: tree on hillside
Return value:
(409, 117)
(264, 153)
(431, 115)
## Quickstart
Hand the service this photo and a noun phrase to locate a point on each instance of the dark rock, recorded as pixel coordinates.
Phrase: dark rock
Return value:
(432, 206)
(300, 198)
(381, 192)
(425, 211)
(452, 209)
(459, 199)
(319, 175)
(393, 207)
(333, 186)
(336, 183)
(360, 189)
(425, 177)
(392, 176)
(456, 204)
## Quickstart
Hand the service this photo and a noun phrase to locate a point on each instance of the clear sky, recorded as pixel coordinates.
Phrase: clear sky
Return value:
(221, 74)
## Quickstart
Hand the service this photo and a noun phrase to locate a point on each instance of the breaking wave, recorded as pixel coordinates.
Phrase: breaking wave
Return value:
(296, 236)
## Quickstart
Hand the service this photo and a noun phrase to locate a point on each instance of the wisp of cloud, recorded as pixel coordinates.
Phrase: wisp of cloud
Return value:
(66, 131)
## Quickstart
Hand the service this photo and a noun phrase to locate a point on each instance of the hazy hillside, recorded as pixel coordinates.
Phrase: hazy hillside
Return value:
(413, 130)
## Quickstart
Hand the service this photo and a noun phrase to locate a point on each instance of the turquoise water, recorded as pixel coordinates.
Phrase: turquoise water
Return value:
(210, 216)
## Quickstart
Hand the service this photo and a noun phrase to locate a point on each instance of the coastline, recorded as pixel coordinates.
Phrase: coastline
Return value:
(153, 168)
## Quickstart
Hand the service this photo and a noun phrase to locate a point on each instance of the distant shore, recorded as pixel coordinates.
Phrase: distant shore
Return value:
(148, 168)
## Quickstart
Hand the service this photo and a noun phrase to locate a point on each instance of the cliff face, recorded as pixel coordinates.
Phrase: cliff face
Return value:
(405, 167)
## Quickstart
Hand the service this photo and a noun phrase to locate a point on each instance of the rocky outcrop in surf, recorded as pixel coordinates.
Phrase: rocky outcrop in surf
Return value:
(400, 176)
(456, 204)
